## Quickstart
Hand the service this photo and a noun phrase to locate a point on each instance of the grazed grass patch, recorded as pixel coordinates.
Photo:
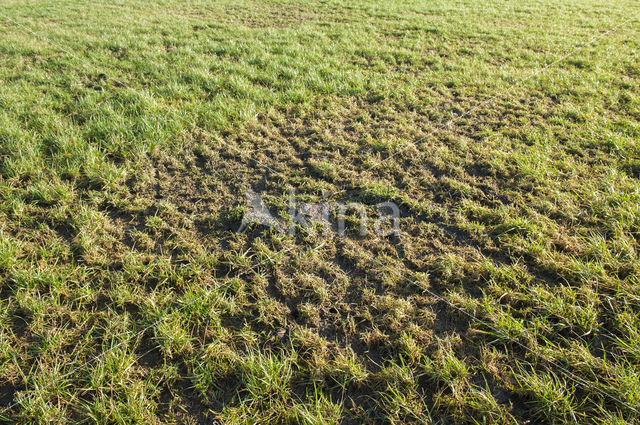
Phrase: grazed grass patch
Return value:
(506, 132)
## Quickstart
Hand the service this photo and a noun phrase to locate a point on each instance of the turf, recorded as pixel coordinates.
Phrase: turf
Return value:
(505, 131)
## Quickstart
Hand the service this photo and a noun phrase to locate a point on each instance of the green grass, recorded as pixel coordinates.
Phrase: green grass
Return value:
(506, 131)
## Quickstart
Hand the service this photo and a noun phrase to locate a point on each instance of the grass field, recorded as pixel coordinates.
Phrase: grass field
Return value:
(507, 133)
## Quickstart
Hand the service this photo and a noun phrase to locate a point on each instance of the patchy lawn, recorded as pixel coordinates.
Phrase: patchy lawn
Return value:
(506, 133)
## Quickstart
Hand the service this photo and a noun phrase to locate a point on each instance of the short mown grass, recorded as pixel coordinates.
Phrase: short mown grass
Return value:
(507, 132)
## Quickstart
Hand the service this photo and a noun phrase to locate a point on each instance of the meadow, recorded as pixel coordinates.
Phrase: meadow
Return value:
(507, 132)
